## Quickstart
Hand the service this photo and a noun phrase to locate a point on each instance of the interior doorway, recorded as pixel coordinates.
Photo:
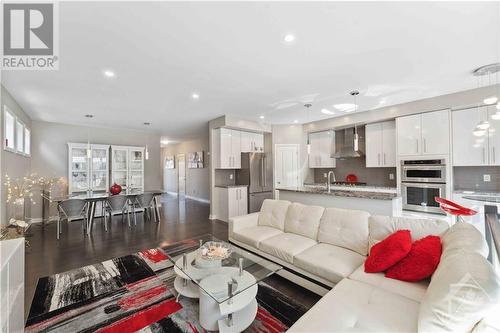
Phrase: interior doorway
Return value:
(181, 173)
(287, 171)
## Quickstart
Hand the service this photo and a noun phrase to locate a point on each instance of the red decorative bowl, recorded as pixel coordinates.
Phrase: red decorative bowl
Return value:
(351, 178)
(115, 189)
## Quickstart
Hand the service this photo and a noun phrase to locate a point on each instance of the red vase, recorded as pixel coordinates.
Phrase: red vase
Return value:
(115, 189)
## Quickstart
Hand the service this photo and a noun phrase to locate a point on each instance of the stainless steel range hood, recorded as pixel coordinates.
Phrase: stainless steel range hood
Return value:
(349, 143)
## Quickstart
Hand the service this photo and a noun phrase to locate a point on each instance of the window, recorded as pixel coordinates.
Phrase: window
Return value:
(19, 136)
(9, 129)
(27, 141)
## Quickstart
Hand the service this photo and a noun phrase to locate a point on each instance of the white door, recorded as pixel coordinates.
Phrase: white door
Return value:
(225, 156)
(468, 149)
(409, 135)
(435, 133)
(236, 149)
(374, 139)
(181, 171)
(287, 166)
(494, 139)
(389, 144)
(327, 140)
(243, 202)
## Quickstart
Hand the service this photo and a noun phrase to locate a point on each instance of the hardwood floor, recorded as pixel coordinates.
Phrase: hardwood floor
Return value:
(180, 219)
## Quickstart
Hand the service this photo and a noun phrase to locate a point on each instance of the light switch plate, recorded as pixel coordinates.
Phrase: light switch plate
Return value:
(325, 175)
(486, 178)
(391, 176)
(231, 176)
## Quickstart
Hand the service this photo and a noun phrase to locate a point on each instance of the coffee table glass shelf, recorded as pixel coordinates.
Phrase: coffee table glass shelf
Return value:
(226, 287)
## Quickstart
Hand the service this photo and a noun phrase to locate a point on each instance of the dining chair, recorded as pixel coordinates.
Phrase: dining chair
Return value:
(69, 210)
(117, 204)
(144, 201)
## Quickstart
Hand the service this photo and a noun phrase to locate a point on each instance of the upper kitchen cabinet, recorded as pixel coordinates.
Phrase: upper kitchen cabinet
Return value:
(423, 134)
(381, 144)
(472, 150)
(321, 144)
(252, 142)
(227, 148)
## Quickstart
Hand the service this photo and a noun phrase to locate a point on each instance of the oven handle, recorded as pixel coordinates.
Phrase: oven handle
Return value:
(424, 185)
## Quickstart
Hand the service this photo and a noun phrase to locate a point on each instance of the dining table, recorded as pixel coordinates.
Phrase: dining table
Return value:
(93, 197)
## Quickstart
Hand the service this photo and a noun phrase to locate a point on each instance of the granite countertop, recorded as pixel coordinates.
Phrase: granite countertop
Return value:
(361, 188)
(351, 193)
(475, 192)
(230, 186)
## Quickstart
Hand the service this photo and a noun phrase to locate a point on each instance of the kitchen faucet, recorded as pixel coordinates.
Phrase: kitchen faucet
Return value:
(329, 183)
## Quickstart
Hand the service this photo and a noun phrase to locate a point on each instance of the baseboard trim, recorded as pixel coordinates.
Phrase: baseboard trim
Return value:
(212, 217)
(172, 193)
(197, 199)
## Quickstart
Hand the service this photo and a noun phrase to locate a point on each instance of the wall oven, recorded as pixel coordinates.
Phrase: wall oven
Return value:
(421, 182)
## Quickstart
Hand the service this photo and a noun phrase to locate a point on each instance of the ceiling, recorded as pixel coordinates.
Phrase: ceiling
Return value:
(233, 55)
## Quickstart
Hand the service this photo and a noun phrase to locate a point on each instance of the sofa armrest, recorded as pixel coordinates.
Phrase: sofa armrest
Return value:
(241, 222)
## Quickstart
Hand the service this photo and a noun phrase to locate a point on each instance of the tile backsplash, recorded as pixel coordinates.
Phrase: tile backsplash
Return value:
(224, 177)
(357, 166)
(472, 178)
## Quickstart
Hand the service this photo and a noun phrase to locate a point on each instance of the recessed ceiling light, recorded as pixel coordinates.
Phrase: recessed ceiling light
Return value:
(490, 100)
(147, 123)
(345, 107)
(195, 96)
(261, 117)
(295, 121)
(289, 38)
(109, 73)
(89, 116)
(326, 111)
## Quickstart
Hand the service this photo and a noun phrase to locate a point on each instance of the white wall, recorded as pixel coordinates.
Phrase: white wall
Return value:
(50, 150)
(12, 164)
(197, 180)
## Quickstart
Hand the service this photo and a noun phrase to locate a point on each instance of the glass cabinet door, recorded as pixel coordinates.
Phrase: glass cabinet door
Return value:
(136, 160)
(79, 160)
(99, 169)
(136, 179)
(120, 178)
(120, 159)
(79, 169)
(79, 180)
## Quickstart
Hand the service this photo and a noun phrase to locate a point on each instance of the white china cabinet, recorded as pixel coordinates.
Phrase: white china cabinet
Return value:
(127, 167)
(88, 167)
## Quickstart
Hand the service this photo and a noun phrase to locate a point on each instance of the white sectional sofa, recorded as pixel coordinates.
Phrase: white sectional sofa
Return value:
(324, 249)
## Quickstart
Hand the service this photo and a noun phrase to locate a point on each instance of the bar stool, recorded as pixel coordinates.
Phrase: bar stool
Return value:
(454, 209)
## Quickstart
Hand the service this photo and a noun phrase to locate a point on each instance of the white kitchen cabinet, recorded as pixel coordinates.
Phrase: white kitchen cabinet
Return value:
(321, 144)
(231, 201)
(471, 150)
(88, 167)
(226, 148)
(252, 142)
(381, 144)
(423, 134)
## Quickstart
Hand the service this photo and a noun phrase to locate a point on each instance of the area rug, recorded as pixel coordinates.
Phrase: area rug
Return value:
(135, 293)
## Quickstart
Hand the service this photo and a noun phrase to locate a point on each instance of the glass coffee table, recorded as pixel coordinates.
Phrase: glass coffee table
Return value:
(226, 288)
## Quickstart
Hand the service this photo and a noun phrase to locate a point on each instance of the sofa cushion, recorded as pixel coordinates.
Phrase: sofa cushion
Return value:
(254, 235)
(330, 262)
(303, 220)
(345, 228)
(382, 226)
(353, 306)
(420, 263)
(412, 290)
(462, 291)
(273, 213)
(388, 252)
(286, 245)
(463, 235)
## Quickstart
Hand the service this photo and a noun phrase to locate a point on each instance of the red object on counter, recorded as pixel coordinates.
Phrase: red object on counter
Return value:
(351, 178)
(115, 189)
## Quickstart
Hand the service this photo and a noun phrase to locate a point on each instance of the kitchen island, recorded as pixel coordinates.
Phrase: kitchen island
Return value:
(375, 200)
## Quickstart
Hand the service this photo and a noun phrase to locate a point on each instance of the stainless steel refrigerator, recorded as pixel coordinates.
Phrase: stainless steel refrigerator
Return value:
(256, 172)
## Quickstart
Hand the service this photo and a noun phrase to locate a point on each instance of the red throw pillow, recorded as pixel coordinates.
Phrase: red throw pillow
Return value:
(420, 263)
(388, 252)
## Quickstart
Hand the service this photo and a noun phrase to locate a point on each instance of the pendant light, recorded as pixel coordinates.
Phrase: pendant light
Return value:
(308, 105)
(89, 149)
(146, 153)
(355, 94)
